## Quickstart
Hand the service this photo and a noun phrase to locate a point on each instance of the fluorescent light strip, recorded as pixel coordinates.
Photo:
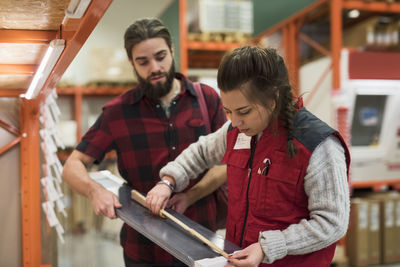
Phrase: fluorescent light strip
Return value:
(77, 8)
(46, 66)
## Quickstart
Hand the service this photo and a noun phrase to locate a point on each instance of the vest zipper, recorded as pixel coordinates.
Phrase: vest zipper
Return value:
(253, 149)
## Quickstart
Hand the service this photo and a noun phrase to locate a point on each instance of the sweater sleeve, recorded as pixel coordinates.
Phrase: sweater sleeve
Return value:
(327, 189)
(197, 158)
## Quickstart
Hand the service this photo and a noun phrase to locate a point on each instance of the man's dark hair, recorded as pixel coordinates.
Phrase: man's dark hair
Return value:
(144, 29)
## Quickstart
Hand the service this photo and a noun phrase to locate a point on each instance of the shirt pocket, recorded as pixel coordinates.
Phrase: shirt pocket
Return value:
(275, 192)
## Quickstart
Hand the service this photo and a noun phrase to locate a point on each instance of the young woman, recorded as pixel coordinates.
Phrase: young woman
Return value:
(288, 200)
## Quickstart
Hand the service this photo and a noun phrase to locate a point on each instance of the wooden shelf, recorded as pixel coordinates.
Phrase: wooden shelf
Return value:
(372, 6)
(376, 185)
(91, 90)
(211, 46)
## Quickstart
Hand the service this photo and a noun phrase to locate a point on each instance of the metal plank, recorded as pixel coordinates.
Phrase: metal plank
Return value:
(168, 235)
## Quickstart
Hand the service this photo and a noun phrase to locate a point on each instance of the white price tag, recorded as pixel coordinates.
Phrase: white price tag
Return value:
(242, 142)
(48, 208)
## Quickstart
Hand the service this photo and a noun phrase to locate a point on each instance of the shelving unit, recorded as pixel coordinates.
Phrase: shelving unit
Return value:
(193, 53)
(291, 36)
(74, 32)
(78, 92)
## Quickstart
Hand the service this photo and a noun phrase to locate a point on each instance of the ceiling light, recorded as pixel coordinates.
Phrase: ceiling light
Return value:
(46, 66)
(354, 13)
(77, 8)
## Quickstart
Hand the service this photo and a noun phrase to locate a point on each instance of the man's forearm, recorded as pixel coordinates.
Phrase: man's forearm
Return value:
(76, 175)
(213, 179)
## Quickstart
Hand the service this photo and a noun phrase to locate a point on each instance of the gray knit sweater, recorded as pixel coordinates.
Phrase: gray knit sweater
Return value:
(325, 184)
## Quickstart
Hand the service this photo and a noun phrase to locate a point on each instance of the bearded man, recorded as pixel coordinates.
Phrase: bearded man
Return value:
(148, 126)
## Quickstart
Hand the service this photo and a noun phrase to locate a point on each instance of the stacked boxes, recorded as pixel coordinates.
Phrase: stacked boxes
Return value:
(388, 240)
(357, 235)
(397, 228)
(374, 232)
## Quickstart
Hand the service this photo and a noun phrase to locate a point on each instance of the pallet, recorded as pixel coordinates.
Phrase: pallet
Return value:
(232, 37)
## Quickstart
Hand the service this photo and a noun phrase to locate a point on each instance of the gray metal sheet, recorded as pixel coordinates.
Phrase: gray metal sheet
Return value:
(168, 234)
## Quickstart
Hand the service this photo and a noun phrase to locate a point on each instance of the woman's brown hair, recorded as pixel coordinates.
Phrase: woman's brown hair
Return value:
(265, 75)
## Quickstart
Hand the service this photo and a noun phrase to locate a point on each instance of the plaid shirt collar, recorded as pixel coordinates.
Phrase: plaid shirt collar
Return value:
(185, 86)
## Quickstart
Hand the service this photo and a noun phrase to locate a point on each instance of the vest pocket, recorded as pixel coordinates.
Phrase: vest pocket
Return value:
(237, 171)
(275, 192)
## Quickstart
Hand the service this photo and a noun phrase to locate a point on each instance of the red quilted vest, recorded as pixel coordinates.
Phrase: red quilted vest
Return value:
(276, 198)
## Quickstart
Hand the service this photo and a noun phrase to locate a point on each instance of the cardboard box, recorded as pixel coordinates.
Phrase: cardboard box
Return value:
(357, 234)
(397, 228)
(374, 232)
(388, 233)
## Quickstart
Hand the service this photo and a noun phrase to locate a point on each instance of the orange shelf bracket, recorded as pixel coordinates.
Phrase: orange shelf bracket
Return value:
(10, 145)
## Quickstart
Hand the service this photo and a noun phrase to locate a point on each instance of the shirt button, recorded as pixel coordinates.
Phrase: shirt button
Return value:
(173, 148)
(174, 103)
(158, 106)
(171, 124)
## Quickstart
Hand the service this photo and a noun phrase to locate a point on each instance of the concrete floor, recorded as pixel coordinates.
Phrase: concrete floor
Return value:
(90, 249)
(101, 249)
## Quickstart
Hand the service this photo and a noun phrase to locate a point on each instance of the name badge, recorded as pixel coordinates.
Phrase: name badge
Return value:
(242, 142)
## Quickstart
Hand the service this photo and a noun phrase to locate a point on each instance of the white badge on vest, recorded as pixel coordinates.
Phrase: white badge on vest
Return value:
(242, 142)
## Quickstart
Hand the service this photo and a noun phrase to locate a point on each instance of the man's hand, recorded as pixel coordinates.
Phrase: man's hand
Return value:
(158, 196)
(104, 202)
(249, 257)
(179, 202)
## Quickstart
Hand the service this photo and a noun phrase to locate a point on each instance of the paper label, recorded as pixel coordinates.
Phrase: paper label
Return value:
(389, 214)
(363, 216)
(242, 142)
(48, 209)
(398, 214)
(374, 217)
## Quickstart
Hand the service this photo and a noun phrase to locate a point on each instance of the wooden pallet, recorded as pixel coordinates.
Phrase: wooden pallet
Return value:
(234, 37)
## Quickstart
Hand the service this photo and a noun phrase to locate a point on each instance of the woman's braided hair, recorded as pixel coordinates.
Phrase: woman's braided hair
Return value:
(265, 75)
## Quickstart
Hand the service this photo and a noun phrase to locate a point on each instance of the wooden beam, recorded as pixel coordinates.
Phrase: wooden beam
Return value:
(336, 41)
(27, 36)
(211, 46)
(100, 91)
(74, 42)
(18, 69)
(78, 113)
(373, 6)
(314, 44)
(183, 29)
(292, 18)
(11, 92)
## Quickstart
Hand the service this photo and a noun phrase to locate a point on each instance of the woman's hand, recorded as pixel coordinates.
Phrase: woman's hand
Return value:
(158, 196)
(251, 256)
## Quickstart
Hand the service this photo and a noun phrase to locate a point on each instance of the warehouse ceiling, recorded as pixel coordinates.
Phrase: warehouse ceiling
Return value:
(26, 29)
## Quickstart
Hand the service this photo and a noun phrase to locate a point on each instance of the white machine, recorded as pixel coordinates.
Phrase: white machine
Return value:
(372, 88)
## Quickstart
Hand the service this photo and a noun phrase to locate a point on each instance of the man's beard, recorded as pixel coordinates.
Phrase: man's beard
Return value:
(158, 90)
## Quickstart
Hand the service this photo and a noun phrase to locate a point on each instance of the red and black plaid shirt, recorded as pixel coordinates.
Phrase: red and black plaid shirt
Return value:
(145, 140)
